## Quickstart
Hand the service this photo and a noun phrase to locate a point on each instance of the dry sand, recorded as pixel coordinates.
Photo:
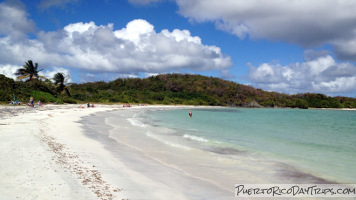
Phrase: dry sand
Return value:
(44, 155)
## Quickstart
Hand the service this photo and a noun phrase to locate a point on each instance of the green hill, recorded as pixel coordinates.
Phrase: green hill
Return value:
(170, 89)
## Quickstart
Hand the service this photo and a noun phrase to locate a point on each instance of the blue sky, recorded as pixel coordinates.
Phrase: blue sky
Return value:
(289, 46)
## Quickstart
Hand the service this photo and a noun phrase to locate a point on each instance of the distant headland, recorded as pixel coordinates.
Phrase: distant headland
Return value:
(168, 89)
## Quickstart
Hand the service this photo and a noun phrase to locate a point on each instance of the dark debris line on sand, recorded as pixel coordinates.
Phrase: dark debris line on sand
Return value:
(89, 176)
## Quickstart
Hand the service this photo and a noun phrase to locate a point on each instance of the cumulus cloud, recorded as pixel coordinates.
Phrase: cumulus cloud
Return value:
(346, 48)
(13, 20)
(303, 22)
(317, 74)
(9, 71)
(137, 48)
(49, 73)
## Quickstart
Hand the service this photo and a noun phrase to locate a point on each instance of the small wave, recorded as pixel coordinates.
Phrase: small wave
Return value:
(136, 122)
(149, 134)
(195, 138)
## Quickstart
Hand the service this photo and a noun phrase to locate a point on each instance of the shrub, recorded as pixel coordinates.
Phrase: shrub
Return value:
(69, 100)
(300, 103)
(5, 96)
(45, 97)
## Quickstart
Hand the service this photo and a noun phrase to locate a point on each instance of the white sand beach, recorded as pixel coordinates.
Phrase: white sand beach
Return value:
(45, 154)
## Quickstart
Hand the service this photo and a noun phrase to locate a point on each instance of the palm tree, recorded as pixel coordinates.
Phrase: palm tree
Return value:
(59, 80)
(29, 71)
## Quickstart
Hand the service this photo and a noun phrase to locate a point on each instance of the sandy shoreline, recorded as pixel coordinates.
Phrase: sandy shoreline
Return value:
(45, 156)
(47, 153)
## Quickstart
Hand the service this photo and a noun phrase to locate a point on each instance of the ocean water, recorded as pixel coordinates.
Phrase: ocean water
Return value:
(320, 143)
(204, 156)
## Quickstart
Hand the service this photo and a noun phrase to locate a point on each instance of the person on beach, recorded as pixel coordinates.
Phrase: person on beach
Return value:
(190, 113)
(31, 102)
(39, 103)
(90, 105)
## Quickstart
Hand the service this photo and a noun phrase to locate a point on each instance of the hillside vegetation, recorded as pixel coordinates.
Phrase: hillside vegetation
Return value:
(166, 89)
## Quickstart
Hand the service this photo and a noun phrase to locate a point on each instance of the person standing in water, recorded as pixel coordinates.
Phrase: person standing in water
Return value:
(190, 113)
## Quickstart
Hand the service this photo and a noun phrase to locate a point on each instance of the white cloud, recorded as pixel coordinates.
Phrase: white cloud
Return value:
(320, 74)
(303, 22)
(13, 20)
(99, 49)
(338, 85)
(151, 74)
(136, 32)
(137, 48)
(9, 70)
(50, 73)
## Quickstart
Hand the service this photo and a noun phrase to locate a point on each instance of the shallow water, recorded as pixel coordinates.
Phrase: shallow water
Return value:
(317, 142)
(203, 157)
(146, 175)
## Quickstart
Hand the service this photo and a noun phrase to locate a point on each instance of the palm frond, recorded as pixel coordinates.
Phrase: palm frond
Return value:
(59, 79)
(23, 77)
(20, 72)
(29, 71)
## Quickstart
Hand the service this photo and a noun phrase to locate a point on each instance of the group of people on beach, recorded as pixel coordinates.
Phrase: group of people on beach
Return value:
(30, 103)
(39, 103)
(89, 105)
(15, 103)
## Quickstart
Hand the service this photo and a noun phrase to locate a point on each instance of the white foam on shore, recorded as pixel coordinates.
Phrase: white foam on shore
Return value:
(156, 137)
(136, 122)
(195, 138)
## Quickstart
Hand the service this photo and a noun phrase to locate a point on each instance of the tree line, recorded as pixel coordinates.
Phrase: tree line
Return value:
(170, 89)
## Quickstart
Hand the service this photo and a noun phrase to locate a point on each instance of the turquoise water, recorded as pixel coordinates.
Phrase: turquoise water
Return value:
(317, 142)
